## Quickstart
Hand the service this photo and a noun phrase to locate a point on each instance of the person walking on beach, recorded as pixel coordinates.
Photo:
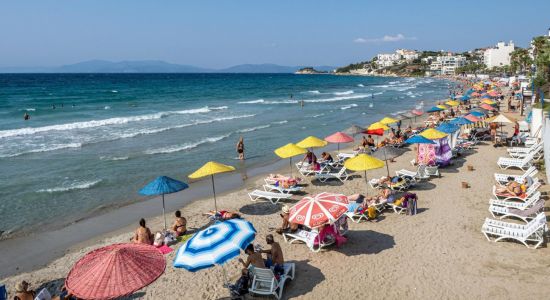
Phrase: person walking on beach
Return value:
(240, 148)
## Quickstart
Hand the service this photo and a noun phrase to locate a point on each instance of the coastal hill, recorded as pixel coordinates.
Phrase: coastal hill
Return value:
(154, 66)
(310, 70)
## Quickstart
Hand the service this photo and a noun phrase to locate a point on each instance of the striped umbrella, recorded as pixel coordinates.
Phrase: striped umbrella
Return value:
(319, 210)
(215, 245)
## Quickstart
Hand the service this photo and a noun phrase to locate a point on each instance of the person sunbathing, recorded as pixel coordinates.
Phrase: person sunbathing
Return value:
(180, 224)
(286, 225)
(222, 215)
(143, 234)
(512, 187)
(292, 181)
(370, 141)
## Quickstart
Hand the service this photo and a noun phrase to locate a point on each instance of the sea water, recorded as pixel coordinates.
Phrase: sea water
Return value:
(93, 140)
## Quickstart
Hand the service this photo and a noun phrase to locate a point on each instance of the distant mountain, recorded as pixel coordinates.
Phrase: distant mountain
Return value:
(154, 66)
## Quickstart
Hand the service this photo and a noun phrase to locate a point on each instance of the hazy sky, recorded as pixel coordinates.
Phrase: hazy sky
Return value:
(224, 33)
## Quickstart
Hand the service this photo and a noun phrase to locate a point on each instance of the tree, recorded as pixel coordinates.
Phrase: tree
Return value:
(541, 53)
(520, 61)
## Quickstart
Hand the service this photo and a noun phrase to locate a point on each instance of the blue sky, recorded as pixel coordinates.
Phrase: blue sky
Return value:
(223, 33)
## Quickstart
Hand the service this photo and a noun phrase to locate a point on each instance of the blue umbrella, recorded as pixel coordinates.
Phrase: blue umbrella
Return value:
(448, 128)
(486, 96)
(434, 109)
(163, 185)
(215, 245)
(465, 98)
(418, 139)
(460, 121)
(477, 114)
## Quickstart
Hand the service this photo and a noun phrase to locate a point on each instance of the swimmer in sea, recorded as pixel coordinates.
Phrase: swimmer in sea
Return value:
(26, 117)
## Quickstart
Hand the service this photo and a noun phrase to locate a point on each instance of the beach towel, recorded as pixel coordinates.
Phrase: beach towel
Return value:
(165, 249)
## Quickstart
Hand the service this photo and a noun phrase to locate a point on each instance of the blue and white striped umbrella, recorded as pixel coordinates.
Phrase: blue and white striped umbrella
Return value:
(215, 245)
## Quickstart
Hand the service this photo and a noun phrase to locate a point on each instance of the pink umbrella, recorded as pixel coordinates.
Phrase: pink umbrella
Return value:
(475, 94)
(472, 118)
(417, 112)
(318, 210)
(339, 137)
(493, 93)
(115, 271)
(487, 107)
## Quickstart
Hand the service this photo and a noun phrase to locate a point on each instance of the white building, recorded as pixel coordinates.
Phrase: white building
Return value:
(407, 55)
(447, 64)
(387, 59)
(498, 56)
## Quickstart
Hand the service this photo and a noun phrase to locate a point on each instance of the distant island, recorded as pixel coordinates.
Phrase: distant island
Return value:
(310, 70)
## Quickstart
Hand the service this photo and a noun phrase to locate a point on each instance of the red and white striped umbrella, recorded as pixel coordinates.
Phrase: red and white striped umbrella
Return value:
(319, 209)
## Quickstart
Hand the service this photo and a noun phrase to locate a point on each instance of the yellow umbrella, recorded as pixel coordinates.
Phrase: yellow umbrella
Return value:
(387, 121)
(363, 162)
(452, 103)
(311, 142)
(288, 151)
(441, 106)
(209, 169)
(433, 134)
(490, 102)
(378, 125)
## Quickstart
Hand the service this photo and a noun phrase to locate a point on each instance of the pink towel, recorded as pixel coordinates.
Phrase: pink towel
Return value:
(165, 249)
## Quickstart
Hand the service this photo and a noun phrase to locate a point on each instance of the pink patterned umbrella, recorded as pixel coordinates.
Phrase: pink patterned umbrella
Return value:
(472, 118)
(487, 107)
(339, 137)
(318, 210)
(115, 271)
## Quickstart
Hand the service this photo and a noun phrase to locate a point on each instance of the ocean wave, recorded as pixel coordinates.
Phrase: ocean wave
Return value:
(253, 128)
(218, 107)
(252, 101)
(114, 158)
(382, 86)
(281, 122)
(107, 107)
(343, 93)
(360, 85)
(30, 109)
(348, 106)
(99, 123)
(341, 98)
(45, 148)
(114, 91)
(178, 148)
(79, 185)
(317, 116)
(314, 92)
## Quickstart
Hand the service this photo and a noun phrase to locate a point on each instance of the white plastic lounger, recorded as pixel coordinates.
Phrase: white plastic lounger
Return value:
(398, 209)
(307, 237)
(417, 176)
(524, 215)
(356, 218)
(280, 189)
(537, 153)
(530, 232)
(341, 175)
(532, 189)
(521, 163)
(264, 281)
(272, 197)
(304, 169)
(518, 205)
(523, 149)
(503, 178)
(432, 171)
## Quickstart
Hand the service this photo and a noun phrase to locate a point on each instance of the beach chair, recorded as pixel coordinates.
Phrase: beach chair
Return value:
(304, 169)
(537, 153)
(528, 193)
(524, 215)
(265, 282)
(533, 231)
(398, 209)
(3, 292)
(518, 205)
(274, 198)
(521, 163)
(44, 294)
(341, 175)
(432, 171)
(503, 178)
(280, 189)
(307, 237)
(523, 149)
(356, 217)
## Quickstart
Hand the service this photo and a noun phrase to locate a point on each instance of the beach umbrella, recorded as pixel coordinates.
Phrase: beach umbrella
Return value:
(388, 121)
(460, 121)
(160, 186)
(477, 114)
(376, 128)
(387, 154)
(488, 101)
(115, 271)
(433, 134)
(472, 118)
(417, 112)
(363, 162)
(288, 151)
(448, 128)
(465, 98)
(210, 169)
(487, 107)
(354, 130)
(475, 94)
(434, 109)
(418, 139)
(443, 107)
(215, 245)
(311, 142)
(318, 210)
(339, 137)
(501, 118)
(452, 103)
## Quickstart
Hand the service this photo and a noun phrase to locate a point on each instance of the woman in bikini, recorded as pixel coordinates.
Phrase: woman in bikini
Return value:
(180, 224)
(143, 234)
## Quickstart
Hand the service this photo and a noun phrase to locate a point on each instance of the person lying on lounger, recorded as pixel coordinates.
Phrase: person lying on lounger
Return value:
(512, 187)
(222, 215)
(290, 181)
(358, 204)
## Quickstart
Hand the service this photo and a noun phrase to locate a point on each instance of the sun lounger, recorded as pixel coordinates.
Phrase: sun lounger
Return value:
(356, 217)
(307, 237)
(341, 175)
(537, 153)
(280, 189)
(530, 232)
(272, 197)
(417, 176)
(265, 282)
(521, 163)
(528, 193)
(518, 205)
(304, 169)
(523, 149)
(503, 178)
(398, 209)
(524, 215)
(44, 294)
(432, 171)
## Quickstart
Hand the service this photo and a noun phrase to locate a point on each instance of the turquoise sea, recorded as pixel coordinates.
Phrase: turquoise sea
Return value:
(94, 139)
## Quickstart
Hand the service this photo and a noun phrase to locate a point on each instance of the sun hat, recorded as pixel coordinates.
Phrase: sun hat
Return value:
(21, 286)
(286, 209)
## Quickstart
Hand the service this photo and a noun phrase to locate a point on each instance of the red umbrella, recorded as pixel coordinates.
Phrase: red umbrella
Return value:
(115, 271)
(379, 131)
(487, 107)
(339, 137)
(319, 209)
(417, 112)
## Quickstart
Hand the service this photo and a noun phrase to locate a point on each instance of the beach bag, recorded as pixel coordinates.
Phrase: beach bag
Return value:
(371, 212)
(159, 239)
(169, 238)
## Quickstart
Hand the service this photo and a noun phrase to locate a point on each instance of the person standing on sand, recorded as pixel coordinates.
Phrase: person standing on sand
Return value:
(240, 148)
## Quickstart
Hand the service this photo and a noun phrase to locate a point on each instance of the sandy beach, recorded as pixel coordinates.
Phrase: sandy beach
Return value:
(438, 253)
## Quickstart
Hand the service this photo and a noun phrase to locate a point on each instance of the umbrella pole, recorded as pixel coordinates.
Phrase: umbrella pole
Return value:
(290, 167)
(367, 183)
(338, 147)
(386, 159)
(163, 212)
(214, 191)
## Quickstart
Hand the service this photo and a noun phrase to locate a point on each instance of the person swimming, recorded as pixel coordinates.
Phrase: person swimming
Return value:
(26, 117)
